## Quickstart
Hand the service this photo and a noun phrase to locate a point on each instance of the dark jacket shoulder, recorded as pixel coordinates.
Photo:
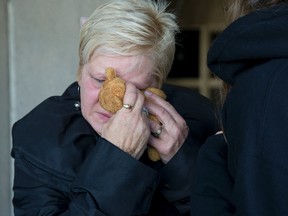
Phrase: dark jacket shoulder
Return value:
(54, 133)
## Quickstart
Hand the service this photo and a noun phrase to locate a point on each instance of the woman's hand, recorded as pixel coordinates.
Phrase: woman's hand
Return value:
(170, 135)
(129, 128)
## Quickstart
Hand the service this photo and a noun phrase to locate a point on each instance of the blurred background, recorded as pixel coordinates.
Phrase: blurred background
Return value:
(39, 58)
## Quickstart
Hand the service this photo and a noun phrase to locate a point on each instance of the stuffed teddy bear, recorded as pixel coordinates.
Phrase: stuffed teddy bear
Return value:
(111, 99)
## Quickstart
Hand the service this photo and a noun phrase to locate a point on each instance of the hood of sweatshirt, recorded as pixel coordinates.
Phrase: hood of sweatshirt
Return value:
(251, 40)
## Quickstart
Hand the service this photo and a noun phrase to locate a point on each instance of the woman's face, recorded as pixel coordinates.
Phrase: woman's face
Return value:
(137, 70)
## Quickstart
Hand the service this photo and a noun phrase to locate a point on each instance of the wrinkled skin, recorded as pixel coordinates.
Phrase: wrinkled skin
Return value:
(130, 130)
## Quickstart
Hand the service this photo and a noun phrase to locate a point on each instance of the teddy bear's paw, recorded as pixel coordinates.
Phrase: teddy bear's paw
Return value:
(153, 154)
(110, 103)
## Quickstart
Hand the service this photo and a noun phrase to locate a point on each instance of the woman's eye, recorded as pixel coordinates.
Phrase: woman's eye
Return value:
(99, 80)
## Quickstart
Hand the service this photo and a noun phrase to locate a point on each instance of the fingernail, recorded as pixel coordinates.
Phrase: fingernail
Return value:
(148, 93)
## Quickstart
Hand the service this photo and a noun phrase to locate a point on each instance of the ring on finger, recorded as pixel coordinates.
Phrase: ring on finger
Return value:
(128, 106)
(157, 133)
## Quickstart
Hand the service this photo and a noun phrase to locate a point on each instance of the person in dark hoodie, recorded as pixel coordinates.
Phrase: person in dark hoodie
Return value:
(74, 158)
(244, 170)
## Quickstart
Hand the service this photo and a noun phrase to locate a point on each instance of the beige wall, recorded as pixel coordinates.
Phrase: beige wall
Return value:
(5, 180)
(44, 36)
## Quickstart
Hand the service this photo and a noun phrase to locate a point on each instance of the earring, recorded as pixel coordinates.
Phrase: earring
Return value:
(77, 104)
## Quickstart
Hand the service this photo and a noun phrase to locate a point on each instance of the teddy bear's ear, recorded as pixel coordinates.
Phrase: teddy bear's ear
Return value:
(83, 20)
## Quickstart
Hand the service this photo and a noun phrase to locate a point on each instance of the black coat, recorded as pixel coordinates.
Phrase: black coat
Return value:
(62, 167)
(252, 56)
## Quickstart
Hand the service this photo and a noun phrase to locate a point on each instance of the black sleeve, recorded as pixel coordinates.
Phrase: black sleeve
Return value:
(126, 186)
(177, 176)
(212, 184)
(200, 115)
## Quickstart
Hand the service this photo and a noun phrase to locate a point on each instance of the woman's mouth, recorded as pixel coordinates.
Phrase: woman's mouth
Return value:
(105, 115)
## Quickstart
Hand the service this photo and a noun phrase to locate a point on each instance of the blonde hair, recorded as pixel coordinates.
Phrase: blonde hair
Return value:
(238, 8)
(131, 27)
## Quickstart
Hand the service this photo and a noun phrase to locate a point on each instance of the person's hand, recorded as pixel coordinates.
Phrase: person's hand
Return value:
(168, 137)
(129, 128)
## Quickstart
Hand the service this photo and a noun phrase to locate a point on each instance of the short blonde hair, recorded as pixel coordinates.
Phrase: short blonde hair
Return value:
(131, 27)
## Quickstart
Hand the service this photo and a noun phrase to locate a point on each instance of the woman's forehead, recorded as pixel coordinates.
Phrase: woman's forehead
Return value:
(136, 69)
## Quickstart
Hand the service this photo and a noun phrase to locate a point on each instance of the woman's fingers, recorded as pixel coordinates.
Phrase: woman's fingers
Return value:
(129, 128)
(170, 132)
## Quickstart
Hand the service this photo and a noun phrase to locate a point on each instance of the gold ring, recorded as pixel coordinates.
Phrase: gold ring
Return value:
(128, 106)
(157, 133)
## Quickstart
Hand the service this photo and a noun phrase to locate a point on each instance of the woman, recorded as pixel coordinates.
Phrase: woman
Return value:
(249, 174)
(74, 158)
